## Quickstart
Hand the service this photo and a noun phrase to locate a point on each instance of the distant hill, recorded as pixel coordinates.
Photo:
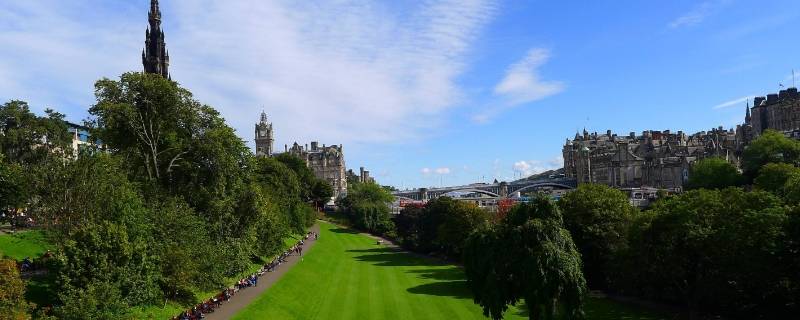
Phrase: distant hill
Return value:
(543, 175)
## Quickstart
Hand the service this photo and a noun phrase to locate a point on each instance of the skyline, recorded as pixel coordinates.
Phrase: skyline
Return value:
(440, 93)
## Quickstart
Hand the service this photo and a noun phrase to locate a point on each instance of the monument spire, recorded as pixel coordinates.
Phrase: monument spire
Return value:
(155, 57)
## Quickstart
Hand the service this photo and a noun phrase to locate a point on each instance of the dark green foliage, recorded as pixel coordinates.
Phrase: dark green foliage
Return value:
(176, 204)
(366, 205)
(770, 147)
(170, 139)
(713, 251)
(598, 218)
(104, 253)
(100, 300)
(22, 134)
(13, 193)
(442, 225)
(312, 189)
(713, 173)
(773, 177)
(528, 256)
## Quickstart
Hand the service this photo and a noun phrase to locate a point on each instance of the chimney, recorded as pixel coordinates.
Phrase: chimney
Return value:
(313, 146)
(285, 148)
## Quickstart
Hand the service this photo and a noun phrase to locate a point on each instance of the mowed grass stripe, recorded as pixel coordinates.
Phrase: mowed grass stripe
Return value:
(347, 276)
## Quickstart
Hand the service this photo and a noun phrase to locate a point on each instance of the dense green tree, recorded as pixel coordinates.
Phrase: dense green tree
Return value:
(169, 138)
(321, 192)
(408, 227)
(13, 191)
(713, 173)
(367, 207)
(598, 218)
(304, 175)
(12, 292)
(105, 253)
(457, 223)
(528, 256)
(27, 138)
(99, 300)
(770, 147)
(712, 250)
(773, 177)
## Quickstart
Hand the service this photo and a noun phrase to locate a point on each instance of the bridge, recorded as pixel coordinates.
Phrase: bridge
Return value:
(486, 191)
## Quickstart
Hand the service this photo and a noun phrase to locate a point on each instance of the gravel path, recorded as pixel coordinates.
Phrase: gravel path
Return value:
(246, 296)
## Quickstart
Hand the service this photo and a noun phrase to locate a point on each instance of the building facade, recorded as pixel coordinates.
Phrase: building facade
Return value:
(657, 159)
(777, 111)
(327, 163)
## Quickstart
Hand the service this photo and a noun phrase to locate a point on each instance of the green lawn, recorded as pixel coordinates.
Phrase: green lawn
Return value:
(347, 276)
(23, 244)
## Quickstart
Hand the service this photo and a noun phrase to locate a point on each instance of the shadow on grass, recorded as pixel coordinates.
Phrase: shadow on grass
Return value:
(454, 289)
(442, 274)
(388, 260)
(343, 230)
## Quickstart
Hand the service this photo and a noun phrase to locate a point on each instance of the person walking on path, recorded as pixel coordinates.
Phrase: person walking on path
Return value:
(245, 297)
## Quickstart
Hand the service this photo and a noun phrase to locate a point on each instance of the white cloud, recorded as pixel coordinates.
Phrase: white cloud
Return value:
(733, 102)
(521, 84)
(531, 167)
(697, 14)
(439, 171)
(341, 71)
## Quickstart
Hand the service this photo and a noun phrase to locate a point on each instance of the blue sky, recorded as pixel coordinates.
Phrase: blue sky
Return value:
(421, 93)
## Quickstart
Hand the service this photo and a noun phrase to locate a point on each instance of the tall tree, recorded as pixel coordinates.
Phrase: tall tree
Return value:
(168, 137)
(367, 206)
(598, 217)
(528, 256)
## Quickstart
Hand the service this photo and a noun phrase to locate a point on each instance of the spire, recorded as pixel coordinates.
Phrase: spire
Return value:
(155, 57)
(747, 114)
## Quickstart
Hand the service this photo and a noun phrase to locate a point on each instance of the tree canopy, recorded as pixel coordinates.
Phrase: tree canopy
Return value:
(598, 218)
(713, 173)
(770, 147)
(528, 256)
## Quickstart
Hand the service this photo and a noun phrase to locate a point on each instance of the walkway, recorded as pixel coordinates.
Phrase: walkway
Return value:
(246, 296)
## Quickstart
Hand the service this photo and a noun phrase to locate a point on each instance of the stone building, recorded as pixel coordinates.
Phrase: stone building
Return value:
(658, 159)
(155, 56)
(363, 176)
(777, 111)
(264, 138)
(327, 163)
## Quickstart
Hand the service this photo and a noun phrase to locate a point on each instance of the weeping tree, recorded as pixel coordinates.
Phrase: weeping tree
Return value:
(527, 256)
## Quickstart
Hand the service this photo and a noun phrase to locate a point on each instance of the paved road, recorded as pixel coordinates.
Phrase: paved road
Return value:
(247, 296)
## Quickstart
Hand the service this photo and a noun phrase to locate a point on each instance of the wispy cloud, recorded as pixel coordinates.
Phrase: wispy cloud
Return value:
(439, 171)
(343, 71)
(522, 84)
(733, 102)
(697, 14)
